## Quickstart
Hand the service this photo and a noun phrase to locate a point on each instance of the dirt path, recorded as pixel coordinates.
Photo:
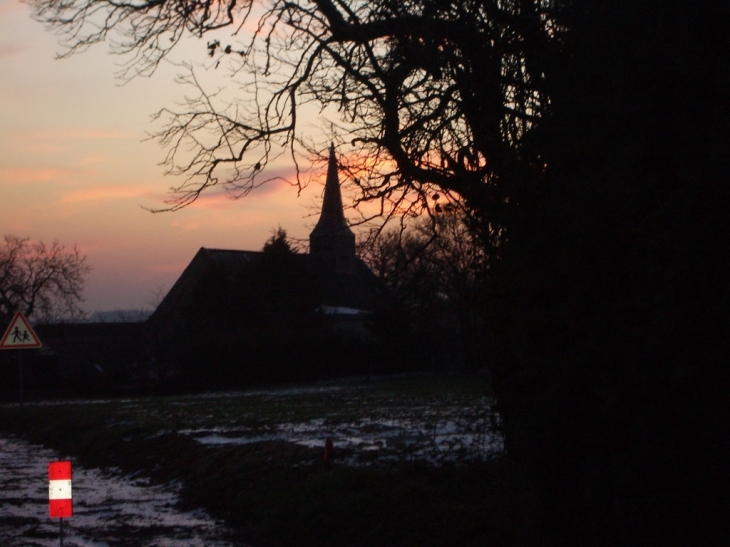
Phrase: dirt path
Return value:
(109, 510)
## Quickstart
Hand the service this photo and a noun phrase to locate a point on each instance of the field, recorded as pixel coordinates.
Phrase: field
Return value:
(417, 460)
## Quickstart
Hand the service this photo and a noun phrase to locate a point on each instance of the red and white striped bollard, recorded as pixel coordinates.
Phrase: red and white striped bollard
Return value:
(60, 499)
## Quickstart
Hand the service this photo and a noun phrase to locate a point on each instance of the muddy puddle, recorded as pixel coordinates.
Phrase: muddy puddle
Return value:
(372, 429)
(110, 510)
(378, 441)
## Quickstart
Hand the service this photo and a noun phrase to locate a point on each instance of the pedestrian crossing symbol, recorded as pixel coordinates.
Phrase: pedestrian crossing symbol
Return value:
(19, 335)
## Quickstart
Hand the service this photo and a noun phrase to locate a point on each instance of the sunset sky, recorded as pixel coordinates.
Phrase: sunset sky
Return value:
(74, 166)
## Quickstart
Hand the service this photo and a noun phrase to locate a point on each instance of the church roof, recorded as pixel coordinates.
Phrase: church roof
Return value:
(226, 260)
(360, 289)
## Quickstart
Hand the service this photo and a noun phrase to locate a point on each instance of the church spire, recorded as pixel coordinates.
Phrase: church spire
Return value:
(332, 217)
(332, 242)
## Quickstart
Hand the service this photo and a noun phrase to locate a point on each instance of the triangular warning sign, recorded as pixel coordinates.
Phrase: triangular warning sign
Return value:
(19, 335)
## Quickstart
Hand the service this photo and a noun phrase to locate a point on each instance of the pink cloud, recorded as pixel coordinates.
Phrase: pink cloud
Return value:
(168, 268)
(96, 134)
(217, 198)
(7, 7)
(105, 192)
(91, 160)
(212, 201)
(73, 133)
(187, 225)
(60, 140)
(30, 174)
(8, 50)
(283, 181)
(85, 248)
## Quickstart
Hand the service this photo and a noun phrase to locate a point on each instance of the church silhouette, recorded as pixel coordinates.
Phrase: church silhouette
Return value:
(236, 316)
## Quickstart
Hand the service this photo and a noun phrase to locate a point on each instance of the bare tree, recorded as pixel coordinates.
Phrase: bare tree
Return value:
(430, 94)
(41, 280)
(435, 268)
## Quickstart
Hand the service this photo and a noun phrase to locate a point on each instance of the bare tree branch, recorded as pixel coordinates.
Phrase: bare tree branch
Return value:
(430, 94)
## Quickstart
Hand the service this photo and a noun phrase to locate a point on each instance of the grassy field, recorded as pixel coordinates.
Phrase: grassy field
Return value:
(417, 460)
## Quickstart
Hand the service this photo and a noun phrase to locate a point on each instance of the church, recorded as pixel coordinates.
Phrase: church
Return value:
(239, 316)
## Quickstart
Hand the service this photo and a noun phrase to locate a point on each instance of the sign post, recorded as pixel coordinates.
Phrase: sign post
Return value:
(60, 498)
(20, 335)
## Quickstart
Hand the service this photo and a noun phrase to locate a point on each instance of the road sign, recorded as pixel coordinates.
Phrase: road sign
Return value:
(60, 501)
(20, 335)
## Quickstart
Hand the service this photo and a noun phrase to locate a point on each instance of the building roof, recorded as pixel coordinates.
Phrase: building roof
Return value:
(360, 289)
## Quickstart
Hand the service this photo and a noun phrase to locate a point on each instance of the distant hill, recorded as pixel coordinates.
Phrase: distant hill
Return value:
(119, 316)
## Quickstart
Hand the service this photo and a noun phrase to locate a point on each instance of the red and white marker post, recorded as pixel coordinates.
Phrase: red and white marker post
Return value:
(60, 500)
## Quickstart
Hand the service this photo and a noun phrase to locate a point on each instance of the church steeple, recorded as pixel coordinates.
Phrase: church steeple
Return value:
(332, 243)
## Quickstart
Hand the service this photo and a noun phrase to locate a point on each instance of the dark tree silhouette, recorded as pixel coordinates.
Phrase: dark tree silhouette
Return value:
(40, 280)
(612, 292)
(278, 243)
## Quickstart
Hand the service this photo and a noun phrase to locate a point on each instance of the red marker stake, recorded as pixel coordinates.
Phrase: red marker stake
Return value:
(60, 500)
